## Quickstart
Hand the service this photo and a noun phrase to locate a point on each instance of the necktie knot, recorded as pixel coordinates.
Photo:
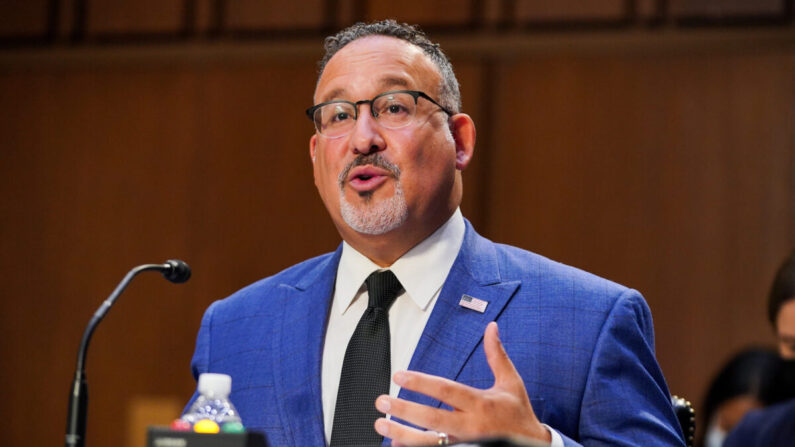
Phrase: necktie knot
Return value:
(382, 288)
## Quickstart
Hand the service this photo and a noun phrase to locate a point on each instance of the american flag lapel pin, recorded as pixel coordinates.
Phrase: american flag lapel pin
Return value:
(470, 302)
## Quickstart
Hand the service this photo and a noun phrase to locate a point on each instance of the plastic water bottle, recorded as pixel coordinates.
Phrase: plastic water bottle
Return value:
(213, 403)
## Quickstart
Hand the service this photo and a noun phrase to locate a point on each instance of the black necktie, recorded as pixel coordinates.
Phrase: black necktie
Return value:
(366, 368)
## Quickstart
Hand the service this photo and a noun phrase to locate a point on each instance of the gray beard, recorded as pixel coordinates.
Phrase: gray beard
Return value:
(372, 217)
(375, 217)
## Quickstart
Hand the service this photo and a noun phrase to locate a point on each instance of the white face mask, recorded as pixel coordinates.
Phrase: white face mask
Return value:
(715, 435)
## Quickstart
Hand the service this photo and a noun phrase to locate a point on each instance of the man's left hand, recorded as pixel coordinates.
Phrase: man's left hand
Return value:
(502, 410)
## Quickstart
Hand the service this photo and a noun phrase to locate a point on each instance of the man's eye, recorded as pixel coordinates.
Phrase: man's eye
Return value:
(393, 109)
(340, 116)
(396, 108)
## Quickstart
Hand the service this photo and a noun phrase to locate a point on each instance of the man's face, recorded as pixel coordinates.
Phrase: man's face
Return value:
(785, 330)
(374, 180)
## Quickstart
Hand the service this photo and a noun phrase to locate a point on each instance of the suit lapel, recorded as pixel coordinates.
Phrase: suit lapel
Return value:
(450, 337)
(298, 349)
(453, 332)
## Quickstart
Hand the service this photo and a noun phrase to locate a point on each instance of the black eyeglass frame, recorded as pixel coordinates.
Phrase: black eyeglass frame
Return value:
(416, 94)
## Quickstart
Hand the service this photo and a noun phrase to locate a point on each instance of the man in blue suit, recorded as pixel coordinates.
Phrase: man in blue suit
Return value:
(571, 363)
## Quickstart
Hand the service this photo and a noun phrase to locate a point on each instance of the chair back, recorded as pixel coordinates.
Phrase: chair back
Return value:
(687, 418)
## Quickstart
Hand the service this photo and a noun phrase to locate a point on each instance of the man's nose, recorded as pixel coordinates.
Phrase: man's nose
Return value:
(366, 134)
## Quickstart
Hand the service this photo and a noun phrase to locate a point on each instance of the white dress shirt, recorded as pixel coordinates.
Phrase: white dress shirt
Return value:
(422, 271)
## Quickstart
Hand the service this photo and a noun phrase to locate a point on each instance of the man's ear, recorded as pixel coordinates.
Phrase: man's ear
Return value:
(312, 146)
(463, 130)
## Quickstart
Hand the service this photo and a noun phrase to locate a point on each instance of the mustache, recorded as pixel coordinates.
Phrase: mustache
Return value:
(374, 159)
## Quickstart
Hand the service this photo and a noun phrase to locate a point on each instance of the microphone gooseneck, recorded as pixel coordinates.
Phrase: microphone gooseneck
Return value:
(173, 270)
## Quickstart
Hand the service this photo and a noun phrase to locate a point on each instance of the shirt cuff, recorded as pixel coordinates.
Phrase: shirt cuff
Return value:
(556, 441)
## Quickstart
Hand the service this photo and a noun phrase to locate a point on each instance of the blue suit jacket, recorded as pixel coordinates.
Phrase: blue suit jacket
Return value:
(583, 345)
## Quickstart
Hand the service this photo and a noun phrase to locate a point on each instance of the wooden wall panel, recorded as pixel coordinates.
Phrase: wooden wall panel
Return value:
(106, 170)
(443, 12)
(88, 169)
(140, 16)
(23, 18)
(536, 10)
(726, 8)
(671, 173)
(275, 14)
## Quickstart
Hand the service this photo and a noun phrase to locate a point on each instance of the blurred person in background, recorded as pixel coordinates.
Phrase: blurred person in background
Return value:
(775, 426)
(738, 387)
(781, 307)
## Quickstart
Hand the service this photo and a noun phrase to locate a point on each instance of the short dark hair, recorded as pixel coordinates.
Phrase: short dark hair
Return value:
(783, 289)
(449, 93)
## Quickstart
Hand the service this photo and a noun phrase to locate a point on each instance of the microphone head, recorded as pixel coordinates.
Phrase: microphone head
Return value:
(177, 271)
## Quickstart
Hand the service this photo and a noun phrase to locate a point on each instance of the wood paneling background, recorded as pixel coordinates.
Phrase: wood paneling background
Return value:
(662, 160)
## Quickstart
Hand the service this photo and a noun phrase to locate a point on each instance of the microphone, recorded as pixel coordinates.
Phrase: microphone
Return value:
(177, 271)
(173, 270)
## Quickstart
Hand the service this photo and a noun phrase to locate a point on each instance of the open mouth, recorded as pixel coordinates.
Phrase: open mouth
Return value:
(367, 178)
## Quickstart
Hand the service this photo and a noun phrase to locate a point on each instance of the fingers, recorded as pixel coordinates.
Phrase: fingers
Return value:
(418, 414)
(458, 395)
(503, 409)
(403, 434)
(452, 393)
(499, 362)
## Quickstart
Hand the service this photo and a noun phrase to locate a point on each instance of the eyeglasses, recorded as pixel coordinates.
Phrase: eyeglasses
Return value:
(391, 110)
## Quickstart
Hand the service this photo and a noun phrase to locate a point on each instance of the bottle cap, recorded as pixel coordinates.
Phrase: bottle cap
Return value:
(180, 425)
(232, 427)
(217, 385)
(206, 426)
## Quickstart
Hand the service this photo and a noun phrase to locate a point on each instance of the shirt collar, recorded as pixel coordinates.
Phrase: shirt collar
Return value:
(421, 270)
